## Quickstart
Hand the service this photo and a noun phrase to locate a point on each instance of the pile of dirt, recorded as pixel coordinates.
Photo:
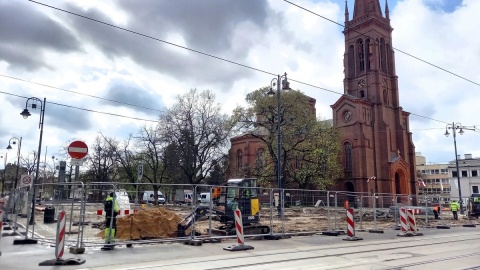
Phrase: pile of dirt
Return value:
(148, 223)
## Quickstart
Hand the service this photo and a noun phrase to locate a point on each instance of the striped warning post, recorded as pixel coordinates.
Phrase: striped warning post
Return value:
(404, 223)
(60, 240)
(351, 227)
(239, 229)
(1, 229)
(60, 245)
(412, 223)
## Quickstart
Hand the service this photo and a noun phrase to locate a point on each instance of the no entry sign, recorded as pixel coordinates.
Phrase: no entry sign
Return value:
(77, 149)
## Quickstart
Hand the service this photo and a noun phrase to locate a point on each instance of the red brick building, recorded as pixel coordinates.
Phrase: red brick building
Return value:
(375, 131)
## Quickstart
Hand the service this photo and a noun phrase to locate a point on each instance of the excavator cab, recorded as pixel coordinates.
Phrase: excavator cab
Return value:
(242, 193)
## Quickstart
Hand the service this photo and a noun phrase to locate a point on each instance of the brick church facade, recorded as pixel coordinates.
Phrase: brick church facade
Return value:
(376, 139)
(375, 130)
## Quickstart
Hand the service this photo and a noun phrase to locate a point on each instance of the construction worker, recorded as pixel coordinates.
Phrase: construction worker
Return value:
(111, 212)
(454, 207)
(436, 211)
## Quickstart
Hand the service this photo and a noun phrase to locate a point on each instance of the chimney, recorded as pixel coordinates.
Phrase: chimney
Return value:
(468, 156)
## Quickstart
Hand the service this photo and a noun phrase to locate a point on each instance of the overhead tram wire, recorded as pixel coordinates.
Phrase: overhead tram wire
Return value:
(401, 51)
(78, 93)
(88, 110)
(210, 55)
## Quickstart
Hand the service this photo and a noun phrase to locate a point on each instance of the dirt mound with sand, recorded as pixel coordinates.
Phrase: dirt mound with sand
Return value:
(145, 224)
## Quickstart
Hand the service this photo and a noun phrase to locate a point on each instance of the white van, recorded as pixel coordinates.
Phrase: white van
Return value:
(205, 197)
(148, 197)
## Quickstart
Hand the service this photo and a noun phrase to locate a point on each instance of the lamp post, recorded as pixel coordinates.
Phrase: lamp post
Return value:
(14, 140)
(454, 126)
(4, 172)
(25, 113)
(285, 86)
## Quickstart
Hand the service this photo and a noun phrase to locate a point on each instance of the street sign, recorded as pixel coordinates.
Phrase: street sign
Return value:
(76, 162)
(140, 172)
(25, 180)
(78, 149)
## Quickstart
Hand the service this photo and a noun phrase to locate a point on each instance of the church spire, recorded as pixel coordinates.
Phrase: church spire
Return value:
(387, 11)
(366, 7)
(346, 13)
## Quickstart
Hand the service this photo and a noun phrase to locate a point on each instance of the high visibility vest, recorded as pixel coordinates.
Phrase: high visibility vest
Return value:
(454, 206)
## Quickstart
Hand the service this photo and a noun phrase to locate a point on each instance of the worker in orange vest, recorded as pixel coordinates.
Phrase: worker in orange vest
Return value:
(436, 211)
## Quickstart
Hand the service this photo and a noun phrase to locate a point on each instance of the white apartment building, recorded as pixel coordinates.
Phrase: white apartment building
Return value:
(436, 178)
(469, 169)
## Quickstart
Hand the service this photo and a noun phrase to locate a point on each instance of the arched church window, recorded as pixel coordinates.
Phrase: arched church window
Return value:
(367, 53)
(362, 94)
(385, 96)
(383, 55)
(348, 159)
(389, 59)
(239, 161)
(361, 55)
(351, 61)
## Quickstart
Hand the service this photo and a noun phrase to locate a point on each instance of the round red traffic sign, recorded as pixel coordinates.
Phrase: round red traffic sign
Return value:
(78, 149)
(26, 180)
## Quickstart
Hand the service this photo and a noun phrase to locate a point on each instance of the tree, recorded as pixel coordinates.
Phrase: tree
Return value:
(308, 144)
(198, 130)
(152, 146)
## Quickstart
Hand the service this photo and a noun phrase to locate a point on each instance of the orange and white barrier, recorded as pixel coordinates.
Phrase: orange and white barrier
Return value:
(351, 226)
(239, 230)
(120, 212)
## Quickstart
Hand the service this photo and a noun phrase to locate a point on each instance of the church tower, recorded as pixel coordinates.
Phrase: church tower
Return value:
(375, 131)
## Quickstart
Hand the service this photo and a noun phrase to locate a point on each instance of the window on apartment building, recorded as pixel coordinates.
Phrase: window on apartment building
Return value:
(454, 173)
(475, 189)
(474, 173)
(423, 171)
(464, 173)
(443, 171)
(437, 171)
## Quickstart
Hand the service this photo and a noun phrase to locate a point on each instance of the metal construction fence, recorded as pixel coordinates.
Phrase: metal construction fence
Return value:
(174, 212)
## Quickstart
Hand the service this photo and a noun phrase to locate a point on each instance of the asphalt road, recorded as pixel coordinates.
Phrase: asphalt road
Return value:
(455, 248)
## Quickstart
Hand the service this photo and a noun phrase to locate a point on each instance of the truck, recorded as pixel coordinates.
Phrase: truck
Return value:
(473, 205)
(183, 196)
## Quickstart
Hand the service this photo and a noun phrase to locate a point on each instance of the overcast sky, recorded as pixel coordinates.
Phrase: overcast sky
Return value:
(43, 45)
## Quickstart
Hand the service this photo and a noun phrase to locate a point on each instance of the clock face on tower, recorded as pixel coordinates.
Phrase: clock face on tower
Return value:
(361, 83)
(346, 115)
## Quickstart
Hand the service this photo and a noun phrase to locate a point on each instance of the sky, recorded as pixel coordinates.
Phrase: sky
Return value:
(78, 63)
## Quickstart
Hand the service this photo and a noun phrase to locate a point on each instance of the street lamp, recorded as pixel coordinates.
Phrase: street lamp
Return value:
(4, 171)
(14, 140)
(285, 86)
(35, 102)
(454, 126)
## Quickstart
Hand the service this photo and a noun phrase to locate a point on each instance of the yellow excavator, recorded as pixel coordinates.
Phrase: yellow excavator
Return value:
(241, 193)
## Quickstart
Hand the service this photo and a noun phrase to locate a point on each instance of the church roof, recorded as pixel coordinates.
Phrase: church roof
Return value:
(366, 7)
(348, 97)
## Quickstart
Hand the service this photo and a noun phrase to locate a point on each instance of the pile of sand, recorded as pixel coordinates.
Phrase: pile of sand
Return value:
(148, 223)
